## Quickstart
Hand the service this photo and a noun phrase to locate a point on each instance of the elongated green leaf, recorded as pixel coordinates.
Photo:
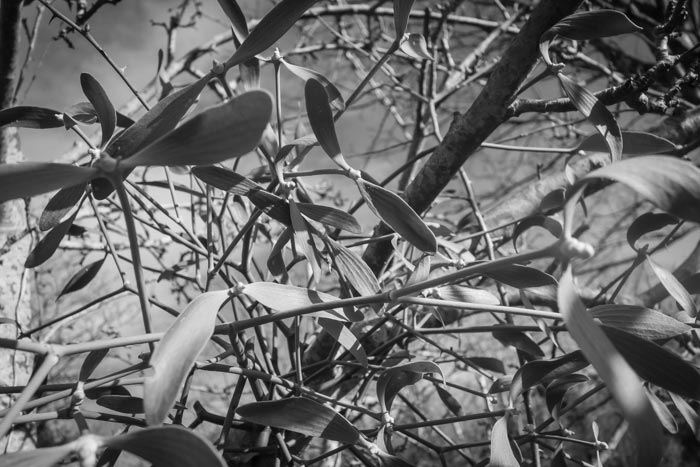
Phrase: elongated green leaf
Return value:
(103, 106)
(674, 288)
(272, 205)
(596, 113)
(519, 340)
(43, 457)
(123, 404)
(334, 96)
(353, 268)
(656, 364)
(282, 297)
(28, 179)
(392, 380)
(398, 215)
(402, 10)
(501, 449)
(544, 371)
(587, 25)
(688, 413)
(31, 117)
(176, 353)
(275, 262)
(301, 415)
(670, 183)
(461, 293)
(170, 445)
(85, 112)
(621, 380)
(414, 46)
(647, 223)
(642, 322)
(521, 277)
(273, 26)
(156, 123)
(303, 239)
(331, 217)
(345, 338)
(663, 413)
(226, 180)
(91, 362)
(321, 119)
(237, 18)
(82, 278)
(47, 246)
(489, 363)
(635, 143)
(222, 132)
(449, 400)
(59, 205)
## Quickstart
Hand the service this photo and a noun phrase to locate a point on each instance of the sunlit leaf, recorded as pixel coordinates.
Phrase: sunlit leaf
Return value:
(663, 413)
(303, 240)
(47, 246)
(225, 179)
(640, 321)
(635, 143)
(222, 132)
(501, 449)
(171, 445)
(59, 205)
(320, 117)
(354, 269)
(270, 28)
(345, 337)
(176, 353)
(688, 413)
(620, 379)
(28, 179)
(31, 117)
(461, 293)
(301, 415)
(647, 223)
(103, 106)
(596, 113)
(235, 15)
(414, 46)
(82, 278)
(282, 297)
(674, 288)
(398, 215)
(334, 96)
(671, 184)
(331, 217)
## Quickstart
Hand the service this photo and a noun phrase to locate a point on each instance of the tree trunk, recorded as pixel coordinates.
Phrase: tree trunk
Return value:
(15, 367)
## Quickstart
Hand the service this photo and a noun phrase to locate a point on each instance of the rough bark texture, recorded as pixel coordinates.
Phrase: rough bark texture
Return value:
(488, 112)
(15, 367)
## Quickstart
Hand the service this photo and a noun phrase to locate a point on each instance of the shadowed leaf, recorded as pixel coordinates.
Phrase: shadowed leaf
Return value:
(647, 223)
(103, 106)
(31, 117)
(543, 371)
(28, 179)
(176, 353)
(642, 322)
(521, 277)
(596, 114)
(301, 415)
(236, 16)
(91, 362)
(123, 404)
(334, 96)
(47, 246)
(82, 278)
(557, 389)
(303, 240)
(402, 10)
(551, 225)
(59, 205)
(321, 119)
(398, 215)
(392, 380)
(688, 413)
(225, 179)
(331, 217)
(519, 340)
(172, 446)
(222, 132)
(345, 338)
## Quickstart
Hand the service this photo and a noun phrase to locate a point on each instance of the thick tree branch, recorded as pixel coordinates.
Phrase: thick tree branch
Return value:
(488, 112)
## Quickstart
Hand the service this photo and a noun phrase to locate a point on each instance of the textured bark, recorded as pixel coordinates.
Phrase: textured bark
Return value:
(488, 112)
(15, 367)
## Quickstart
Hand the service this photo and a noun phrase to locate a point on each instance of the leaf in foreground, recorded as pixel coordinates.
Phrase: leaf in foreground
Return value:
(172, 446)
(176, 353)
(622, 382)
(301, 415)
(501, 450)
(28, 179)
